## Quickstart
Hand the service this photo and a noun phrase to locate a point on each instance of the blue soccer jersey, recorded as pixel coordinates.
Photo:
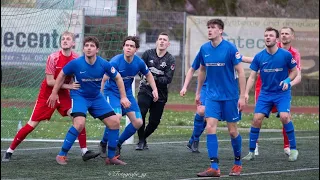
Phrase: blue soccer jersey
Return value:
(273, 68)
(89, 76)
(222, 82)
(127, 71)
(196, 64)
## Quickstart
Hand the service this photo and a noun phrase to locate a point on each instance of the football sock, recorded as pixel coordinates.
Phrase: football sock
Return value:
(285, 138)
(20, 136)
(253, 136)
(212, 146)
(127, 133)
(291, 135)
(236, 145)
(198, 126)
(69, 140)
(105, 136)
(83, 138)
(113, 136)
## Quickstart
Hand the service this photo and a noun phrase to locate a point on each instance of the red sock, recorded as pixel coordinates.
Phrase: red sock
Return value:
(83, 138)
(21, 135)
(285, 139)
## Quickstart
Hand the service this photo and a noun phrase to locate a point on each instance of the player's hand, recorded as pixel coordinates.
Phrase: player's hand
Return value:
(183, 92)
(155, 95)
(246, 98)
(52, 100)
(241, 103)
(197, 99)
(285, 84)
(75, 86)
(125, 102)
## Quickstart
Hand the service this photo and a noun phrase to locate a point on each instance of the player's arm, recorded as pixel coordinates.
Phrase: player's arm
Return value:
(249, 85)
(187, 81)
(152, 83)
(247, 59)
(51, 82)
(103, 82)
(124, 100)
(168, 73)
(201, 78)
(242, 84)
(57, 85)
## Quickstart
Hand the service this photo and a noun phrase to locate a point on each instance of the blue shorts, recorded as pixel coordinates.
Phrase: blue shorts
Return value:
(223, 110)
(265, 103)
(114, 101)
(97, 106)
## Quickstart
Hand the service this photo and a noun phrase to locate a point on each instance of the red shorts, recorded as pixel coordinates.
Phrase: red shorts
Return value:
(42, 112)
(257, 92)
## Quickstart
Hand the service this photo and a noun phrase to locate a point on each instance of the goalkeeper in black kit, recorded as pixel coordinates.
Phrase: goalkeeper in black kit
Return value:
(162, 65)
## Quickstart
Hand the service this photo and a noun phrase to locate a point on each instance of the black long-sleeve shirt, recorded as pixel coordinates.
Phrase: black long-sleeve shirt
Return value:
(162, 69)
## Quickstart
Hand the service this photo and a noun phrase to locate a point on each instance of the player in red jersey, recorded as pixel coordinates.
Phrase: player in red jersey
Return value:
(286, 37)
(55, 62)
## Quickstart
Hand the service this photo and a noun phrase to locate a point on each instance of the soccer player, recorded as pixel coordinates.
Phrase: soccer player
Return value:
(286, 37)
(199, 124)
(162, 65)
(274, 64)
(128, 65)
(88, 71)
(220, 60)
(56, 61)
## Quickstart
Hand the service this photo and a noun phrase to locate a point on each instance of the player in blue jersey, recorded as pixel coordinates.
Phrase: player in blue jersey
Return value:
(199, 123)
(274, 64)
(128, 65)
(88, 71)
(220, 60)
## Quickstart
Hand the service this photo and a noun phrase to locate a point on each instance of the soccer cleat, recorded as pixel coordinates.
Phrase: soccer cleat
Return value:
(140, 146)
(114, 161)
(6, 157)
(118, 151)
(195, 147)
(293, 155)
(210, 172)
(103, 150)
(256, 151)
(89, 155)
(249, 157)
(287, 151)
(236, 170)
(62, 160)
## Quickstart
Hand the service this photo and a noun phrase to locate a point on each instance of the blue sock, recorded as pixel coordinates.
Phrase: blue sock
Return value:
(291, 135)
(198, 126)
(71, 136)
(113, 136)
(127, 133)
(254, 135)
(105, 136)
(212, 146)
(236, 145)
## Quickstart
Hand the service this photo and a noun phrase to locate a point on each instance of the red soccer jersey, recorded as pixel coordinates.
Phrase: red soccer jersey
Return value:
(296, 56)
(55, 62)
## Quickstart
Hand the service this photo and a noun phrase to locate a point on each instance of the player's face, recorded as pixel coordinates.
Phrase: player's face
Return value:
(162, 42)
(286, 36)
(129, 48)
(270, 38)
(90, 49)
(214, 31)
(67, 42)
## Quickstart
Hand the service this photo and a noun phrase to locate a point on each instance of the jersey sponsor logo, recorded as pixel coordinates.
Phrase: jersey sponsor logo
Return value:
(156, 71)
(91, 80)
(163, 64)
(113, 70)
(293, 61)
(273, 70)
(238, 55)
(215, 64)
(172, 67)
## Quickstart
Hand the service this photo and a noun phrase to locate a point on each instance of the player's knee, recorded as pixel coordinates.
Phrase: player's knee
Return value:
(256, 122)
(233, 133)
(285, 117)
(112, 122)
(137, 123)
(201, 110)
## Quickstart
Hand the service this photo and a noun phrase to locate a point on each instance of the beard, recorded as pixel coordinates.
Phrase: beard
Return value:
(270, 45)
